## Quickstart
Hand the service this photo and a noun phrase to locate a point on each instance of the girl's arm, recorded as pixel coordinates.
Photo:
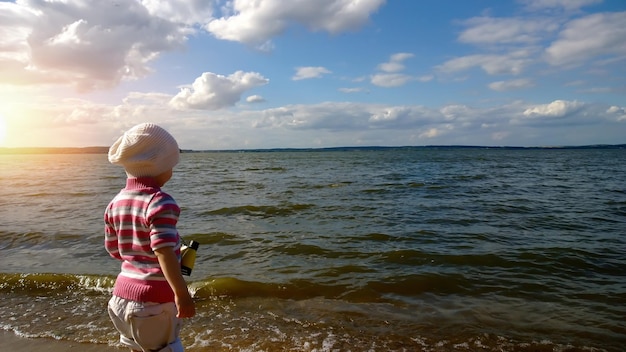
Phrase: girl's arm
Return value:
(171, 269)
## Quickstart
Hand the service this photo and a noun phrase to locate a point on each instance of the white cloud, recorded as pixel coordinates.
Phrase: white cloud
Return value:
(90, 44)
(567, 117)
(391, 66)
(346, 116)
(615, 109)
(598, 90)
(488, 30)
(513, 63)
(255, 99)
(514, 43)
(256, 22)
(350, 90)
(426, 78)
(390, 76)
(389, 80)
(450, 124)
(309, 72)
(395, 63)
(569, 5)
(212, 92)
(503, 86)
(391, 114)
(593, 36)
(335, 123)
(454, 111)
(15, 24)
(557, 108)
(188, 12)
(98, 44)
(399, 57)
(618, 112)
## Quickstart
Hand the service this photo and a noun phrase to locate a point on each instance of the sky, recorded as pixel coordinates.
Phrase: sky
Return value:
(250, 74)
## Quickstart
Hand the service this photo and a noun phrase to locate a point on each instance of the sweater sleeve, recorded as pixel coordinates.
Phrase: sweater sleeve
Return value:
(162, 215)
(110, 237)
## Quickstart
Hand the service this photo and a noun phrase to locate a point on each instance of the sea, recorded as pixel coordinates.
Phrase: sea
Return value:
(363, 249)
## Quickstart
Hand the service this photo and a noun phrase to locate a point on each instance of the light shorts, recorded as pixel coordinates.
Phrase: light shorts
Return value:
(146, 326)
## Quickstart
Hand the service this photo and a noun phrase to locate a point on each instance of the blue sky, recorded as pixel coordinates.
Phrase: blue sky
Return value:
(314, 73)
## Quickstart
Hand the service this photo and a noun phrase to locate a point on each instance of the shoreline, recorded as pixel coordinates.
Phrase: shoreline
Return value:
(11, 342)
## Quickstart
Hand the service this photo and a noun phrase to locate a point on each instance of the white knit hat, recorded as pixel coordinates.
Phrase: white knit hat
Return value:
(145, 150)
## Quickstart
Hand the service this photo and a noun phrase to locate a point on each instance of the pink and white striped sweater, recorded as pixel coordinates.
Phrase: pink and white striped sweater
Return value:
(140, 219)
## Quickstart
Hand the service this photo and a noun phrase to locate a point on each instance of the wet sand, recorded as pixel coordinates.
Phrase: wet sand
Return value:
(10, 342)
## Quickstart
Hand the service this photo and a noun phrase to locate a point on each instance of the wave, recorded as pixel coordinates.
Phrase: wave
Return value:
(34, 284)
(260, 211)
(32, 239)
(299, 314)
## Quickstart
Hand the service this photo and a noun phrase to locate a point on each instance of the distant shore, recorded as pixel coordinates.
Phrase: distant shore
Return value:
(46, 150)
(104, 150)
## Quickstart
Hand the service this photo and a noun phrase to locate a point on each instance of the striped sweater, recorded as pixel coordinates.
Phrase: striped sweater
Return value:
(140, 219)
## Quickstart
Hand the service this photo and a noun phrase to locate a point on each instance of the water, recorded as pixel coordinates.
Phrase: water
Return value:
(385, 250)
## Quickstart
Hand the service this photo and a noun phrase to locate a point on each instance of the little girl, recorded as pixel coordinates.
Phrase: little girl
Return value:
(150, 295)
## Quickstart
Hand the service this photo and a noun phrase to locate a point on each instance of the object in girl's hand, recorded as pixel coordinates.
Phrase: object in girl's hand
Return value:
(188, 257)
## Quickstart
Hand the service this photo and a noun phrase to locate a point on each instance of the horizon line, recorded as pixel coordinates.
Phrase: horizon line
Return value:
(104, 150)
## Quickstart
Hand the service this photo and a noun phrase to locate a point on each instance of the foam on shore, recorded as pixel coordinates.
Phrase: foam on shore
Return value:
(13, 343)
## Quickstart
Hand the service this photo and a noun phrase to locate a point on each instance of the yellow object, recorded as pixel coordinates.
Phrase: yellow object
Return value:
(188, 257)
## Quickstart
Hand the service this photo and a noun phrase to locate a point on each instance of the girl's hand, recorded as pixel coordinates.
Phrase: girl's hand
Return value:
(171, 269)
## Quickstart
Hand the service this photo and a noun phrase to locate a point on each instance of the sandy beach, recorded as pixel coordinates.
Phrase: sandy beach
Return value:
(10, 342)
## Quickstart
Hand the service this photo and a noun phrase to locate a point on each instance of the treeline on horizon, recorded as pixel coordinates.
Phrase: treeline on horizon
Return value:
(104, 150)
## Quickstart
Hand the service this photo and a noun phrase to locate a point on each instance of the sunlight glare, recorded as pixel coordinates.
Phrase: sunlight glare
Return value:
(3, 129)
